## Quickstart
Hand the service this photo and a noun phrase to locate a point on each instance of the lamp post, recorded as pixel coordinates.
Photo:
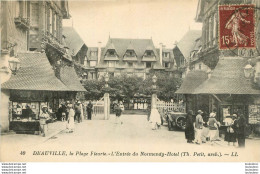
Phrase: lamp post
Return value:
(106, 80)
(14, 64)
(154, 95)
(106, 99)
(248, 70)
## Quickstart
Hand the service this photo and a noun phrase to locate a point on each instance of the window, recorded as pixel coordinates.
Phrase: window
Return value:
(111, 63)
(92, 63)
(149, 53)
(200, 66)
(148, 64)
(93, 53)
(92, 75)
(111, 52)
(130, 64)
(166, 55)
(166, 64)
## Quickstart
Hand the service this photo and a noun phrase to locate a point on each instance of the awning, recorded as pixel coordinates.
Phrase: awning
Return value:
(35, 73)
(69, 77)
(228, 78)
(192, 80)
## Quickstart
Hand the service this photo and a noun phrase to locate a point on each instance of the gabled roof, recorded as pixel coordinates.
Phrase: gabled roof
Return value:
(186, 44)
(192, 80)
(35, 73)
(228, 78)
(139, 46)
(92, 57)
(72, 40)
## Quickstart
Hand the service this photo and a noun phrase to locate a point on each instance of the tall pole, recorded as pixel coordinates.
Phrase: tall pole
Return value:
(154, 95)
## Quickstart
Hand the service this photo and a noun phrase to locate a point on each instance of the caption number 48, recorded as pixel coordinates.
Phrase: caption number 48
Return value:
(22, 153)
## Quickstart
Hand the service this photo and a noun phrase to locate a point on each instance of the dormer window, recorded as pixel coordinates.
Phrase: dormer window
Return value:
(130, 53)
(111, 52)
(93, 53)
(166, 55)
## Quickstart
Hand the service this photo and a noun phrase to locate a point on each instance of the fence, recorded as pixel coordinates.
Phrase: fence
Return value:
(98, 110)
(164, 107)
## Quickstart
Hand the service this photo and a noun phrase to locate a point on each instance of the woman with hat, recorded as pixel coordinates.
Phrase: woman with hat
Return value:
(43, 118)
(70, 122)
(213, 127)
(230, 135)
(155, 118)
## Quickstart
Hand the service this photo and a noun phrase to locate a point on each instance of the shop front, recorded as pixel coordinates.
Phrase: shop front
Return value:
(32, 87)
(230, 92)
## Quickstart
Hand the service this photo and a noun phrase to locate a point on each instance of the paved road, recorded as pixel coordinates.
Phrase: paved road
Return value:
(134, 135)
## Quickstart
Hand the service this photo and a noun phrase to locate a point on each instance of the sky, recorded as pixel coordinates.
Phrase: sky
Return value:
(165, 21)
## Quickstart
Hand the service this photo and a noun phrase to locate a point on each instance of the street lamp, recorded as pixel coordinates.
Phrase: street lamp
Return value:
(248, 69)
(14, 64)
(154, 79)
(106, 80)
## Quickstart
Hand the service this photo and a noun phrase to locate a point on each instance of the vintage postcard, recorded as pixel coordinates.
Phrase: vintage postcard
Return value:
(130, 81)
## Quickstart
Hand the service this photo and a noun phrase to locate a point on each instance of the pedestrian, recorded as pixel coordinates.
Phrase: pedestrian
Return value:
(198, 127)
(70, 121)
(63, 112)
(230, 135)
(189, 129)
(77, 112)
(155, 118)
(240, 127)
(43, 118)
(89, 110)
(148, 112)
(81, 111)
(118, 112)
(121, 105)
(213, 127)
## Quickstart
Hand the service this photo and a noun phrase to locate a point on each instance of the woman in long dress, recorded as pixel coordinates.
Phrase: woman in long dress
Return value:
(230, 135)
(213, 127)
(155, 118)
(189, 129)
(70, 123)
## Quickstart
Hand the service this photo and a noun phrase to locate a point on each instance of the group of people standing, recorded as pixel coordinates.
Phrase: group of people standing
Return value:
(72, 114)
(199, 130)
(236, 125)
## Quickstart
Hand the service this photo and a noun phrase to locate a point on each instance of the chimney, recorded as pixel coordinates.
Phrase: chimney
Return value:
(99, 52)
(161, 48)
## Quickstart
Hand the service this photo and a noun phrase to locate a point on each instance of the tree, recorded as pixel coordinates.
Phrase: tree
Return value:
(166, 86)
(94, 89)
(125, 87)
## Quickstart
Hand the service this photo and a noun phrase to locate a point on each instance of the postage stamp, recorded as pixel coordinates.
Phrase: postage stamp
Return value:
(236, 26)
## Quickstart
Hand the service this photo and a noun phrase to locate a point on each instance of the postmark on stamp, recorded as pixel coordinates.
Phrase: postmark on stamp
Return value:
(236, 26)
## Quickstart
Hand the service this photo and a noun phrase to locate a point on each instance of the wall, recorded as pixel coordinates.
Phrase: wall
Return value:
(4, 119)
(11, 33)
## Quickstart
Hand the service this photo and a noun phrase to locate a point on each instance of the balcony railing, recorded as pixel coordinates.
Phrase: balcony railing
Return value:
(49, 39)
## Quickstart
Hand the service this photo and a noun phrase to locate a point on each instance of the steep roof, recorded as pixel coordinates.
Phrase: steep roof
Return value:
(192, 81)
(72, 40)
(70, 79)
(35, 73)
(92, 57)
(186, 44)
(228, 78)
(139, 46)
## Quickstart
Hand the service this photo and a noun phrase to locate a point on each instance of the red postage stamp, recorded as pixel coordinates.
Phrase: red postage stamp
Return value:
(236, 26)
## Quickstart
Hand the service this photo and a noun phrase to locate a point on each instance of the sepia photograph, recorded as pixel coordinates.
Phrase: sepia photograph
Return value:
(130, 81)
